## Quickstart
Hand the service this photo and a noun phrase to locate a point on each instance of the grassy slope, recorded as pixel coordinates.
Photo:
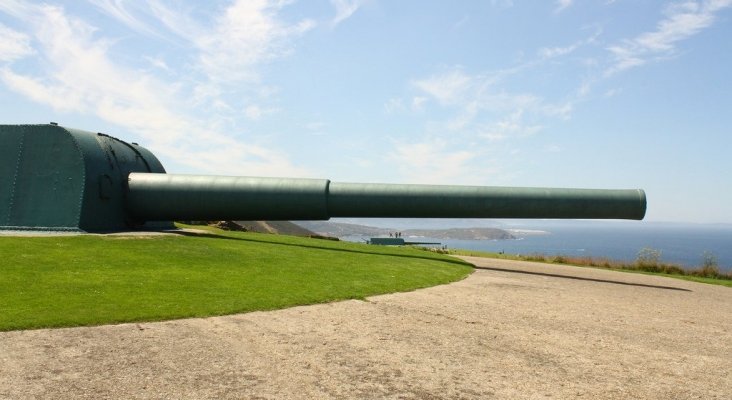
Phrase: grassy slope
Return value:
(629, 268)
(88, 280)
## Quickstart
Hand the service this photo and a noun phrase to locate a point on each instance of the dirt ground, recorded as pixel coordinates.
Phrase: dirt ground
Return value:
(510, 330)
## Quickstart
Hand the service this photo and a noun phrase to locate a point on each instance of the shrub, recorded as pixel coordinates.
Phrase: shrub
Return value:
(673, 269)
(648, 258)
(535, 257)
(560, 259)
(709, 267)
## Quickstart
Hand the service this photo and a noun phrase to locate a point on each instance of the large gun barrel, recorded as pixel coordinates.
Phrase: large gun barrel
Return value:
(198, 197)
(56, 178)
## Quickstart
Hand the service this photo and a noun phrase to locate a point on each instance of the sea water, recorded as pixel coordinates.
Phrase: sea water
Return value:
(681, 244)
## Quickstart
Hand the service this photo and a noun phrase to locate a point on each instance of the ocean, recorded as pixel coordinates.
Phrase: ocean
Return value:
(682, 244)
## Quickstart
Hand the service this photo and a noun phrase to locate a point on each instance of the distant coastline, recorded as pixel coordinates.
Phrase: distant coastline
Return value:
(344, 230)
(681, 244)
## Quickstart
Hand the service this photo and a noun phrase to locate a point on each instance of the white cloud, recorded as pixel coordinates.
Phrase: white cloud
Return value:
(16, 8)
(448, 88)
(682, 20)
(465, 116)
(344, 9)
(58, 97)
(483, 108)
(502, 3)
(562, 111)
(77, 75)
(432, 161)
(123, 11)
(584, 88)
(461, 22)
(254, 112)
(612, 92)
(551, 52)
(158, 62)
(511, 126)
(13, 45)
(316, 128)
(247, 34)
(482, 100)
(562, 4)
(473, 93)
(399, 105)
(176, 19)
(418, 103)
(229, 47)
(546, 53)
(394, 105)
(80, 77)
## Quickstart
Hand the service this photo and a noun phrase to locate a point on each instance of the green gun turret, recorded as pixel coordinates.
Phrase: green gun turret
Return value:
(56, 178)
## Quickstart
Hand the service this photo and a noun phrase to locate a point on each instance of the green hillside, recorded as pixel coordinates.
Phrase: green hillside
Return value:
(58, 281)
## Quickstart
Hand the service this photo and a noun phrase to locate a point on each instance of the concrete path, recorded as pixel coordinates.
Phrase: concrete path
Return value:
(510, 330)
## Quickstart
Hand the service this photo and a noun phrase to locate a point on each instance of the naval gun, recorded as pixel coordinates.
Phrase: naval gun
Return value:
(62, 179)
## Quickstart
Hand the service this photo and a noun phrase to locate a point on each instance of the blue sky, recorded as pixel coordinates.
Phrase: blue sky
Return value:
(597, 94)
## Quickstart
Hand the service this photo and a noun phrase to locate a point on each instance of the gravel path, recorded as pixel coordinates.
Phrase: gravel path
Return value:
(510, 330)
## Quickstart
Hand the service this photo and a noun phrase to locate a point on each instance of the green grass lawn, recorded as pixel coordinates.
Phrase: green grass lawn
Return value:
(63, 281)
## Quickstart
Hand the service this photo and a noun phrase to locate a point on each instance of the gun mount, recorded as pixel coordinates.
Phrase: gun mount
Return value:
(57, 178)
